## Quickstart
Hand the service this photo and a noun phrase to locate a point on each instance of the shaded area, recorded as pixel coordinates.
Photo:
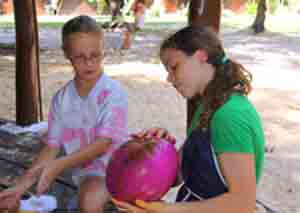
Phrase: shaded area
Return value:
(273, 59)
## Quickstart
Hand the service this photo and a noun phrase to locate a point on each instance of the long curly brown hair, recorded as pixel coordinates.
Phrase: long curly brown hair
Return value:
(229, 77)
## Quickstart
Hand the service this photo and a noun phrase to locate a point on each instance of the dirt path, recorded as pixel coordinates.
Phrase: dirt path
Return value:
(274, 60)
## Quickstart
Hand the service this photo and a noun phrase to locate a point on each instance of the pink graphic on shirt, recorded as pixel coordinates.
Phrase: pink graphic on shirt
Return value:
(92, 134)
(102, 96)
(69, 134)
(119, 116)
(83, 137)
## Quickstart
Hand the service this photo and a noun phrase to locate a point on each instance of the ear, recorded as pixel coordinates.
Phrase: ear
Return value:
(201, 55)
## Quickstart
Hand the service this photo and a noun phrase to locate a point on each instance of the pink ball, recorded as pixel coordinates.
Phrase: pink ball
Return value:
(142, 170)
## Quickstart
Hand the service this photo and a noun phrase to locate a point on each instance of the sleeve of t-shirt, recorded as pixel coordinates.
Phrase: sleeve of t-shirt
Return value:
(112, 121)
(54, 124)
(231, 132)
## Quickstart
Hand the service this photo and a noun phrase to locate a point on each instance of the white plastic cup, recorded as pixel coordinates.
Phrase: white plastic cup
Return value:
(41, 204)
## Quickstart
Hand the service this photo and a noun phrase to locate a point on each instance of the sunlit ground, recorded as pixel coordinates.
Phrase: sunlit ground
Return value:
(282, 21)
(272, 57)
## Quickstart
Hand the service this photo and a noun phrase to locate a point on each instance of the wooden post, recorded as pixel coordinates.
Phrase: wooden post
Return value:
(207, 13)
(27, 78)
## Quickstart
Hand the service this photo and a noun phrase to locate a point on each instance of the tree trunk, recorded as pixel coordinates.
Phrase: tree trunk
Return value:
(259, 24)
(207, 13)
(27, 77)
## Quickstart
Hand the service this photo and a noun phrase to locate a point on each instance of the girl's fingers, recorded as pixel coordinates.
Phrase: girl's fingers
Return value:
(157, 133)
(42, 185)
(34, 172)
(144, 133)
(5, 194)
(171, 139)
(122, 206)
(154, 133)
(141, 204)
(9, 202)
(127, 207)
(139, 134)
(163, 133)
(134, 135)
(150, 133)
(9, 196)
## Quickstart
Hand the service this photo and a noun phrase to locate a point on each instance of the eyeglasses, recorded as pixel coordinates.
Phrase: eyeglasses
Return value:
(82, 59)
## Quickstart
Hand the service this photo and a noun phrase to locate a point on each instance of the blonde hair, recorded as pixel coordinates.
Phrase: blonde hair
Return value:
(80, 24)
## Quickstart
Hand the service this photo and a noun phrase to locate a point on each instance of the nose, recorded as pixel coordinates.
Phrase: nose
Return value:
(89, 61)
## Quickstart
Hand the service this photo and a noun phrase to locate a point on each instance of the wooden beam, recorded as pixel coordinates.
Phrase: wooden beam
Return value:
(27, 76)
(204, 13)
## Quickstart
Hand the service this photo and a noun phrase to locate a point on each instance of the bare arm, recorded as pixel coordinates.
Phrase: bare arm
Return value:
(86, 154)
(44, 157)
(239, 172)
(10, 197)
(47, 154)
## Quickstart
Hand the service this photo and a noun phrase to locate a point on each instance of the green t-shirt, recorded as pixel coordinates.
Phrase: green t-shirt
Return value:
(236, 127)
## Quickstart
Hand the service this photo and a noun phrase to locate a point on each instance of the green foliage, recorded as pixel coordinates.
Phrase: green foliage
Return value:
(155, 10)
(251, 7)
(101, 6)
(273, 5)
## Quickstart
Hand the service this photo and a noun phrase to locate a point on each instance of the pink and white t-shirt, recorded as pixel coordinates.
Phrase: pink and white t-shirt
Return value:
(74, 122)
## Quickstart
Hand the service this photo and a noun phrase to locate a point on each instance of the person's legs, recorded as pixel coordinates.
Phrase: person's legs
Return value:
(139, 21)
(93, 195)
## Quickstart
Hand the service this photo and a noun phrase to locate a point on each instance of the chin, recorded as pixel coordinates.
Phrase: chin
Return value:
(186, 93)
(186, 96)
(189, 97)
(89, 77)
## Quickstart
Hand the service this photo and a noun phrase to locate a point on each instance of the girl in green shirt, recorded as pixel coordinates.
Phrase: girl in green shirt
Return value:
(223, 154)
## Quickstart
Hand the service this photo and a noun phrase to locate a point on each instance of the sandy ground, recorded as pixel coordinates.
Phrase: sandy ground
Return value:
(273, 58)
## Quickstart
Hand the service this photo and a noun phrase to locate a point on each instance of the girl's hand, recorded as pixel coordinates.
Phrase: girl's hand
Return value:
(155, 132)
(35, 171)
(49, 173)
(11, 197)
(141, 206)
(127, 207)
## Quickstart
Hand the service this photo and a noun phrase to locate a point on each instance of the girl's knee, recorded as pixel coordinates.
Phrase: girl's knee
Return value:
(93, 195)
(91, 207)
